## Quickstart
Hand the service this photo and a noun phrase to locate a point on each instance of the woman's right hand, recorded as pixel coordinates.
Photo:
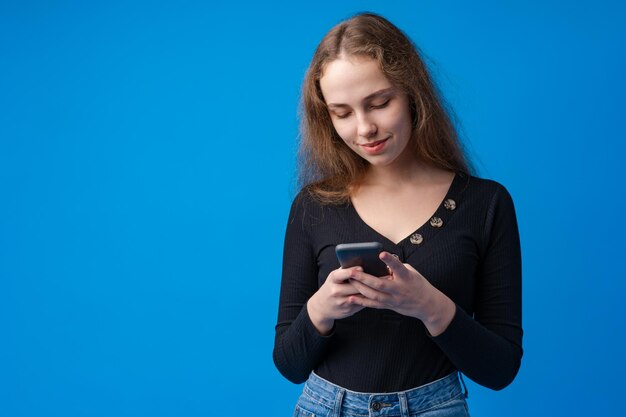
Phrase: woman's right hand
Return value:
(332, 301)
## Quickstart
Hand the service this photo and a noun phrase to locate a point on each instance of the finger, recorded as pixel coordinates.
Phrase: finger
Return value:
(372, 294)
(394, 264)
(363, 301)
(341, 275)
(377, 283)
(344, 290)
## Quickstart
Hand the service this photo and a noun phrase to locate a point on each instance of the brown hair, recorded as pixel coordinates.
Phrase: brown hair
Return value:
(327, 166)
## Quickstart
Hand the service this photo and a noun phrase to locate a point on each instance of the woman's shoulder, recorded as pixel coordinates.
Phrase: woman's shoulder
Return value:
(304, 197)
(308, 211)
(322, 195)
(305, 203)
(485, 186)
(488, 195)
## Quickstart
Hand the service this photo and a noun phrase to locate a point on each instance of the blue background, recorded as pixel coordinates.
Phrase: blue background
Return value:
(147, 161)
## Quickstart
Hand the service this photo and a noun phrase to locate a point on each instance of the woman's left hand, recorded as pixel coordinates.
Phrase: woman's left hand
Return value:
(406, 292)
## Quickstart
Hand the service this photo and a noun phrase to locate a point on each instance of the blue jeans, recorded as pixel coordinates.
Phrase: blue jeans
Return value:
(441, 398)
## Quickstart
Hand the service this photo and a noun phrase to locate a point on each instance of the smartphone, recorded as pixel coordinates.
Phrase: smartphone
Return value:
(363, 254)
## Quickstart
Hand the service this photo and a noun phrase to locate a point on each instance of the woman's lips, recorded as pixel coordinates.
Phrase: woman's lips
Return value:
(374, 147)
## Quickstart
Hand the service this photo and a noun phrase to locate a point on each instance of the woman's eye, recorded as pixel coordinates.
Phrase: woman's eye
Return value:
(342, 115)
(381, 105)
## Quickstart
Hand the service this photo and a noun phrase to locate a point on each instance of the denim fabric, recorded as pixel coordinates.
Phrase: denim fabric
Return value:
(441, 398)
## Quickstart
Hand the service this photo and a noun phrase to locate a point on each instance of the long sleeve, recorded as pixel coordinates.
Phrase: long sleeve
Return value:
(488, 347)
(298, 347)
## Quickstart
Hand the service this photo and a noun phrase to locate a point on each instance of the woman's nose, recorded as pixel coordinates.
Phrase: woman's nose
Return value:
(366, 128)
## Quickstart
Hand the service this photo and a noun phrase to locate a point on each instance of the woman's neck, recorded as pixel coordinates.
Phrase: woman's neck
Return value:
(399, 176)
(405, 170)
(393, 176)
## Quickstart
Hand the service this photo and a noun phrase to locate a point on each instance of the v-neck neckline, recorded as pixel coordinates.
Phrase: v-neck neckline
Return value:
(445, 209)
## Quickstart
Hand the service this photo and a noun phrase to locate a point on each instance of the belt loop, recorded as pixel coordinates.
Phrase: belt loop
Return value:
(338, 402)
(404, 406)
(465, 390)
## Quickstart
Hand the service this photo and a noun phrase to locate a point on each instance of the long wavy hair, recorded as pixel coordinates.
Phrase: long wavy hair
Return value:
(327, 167)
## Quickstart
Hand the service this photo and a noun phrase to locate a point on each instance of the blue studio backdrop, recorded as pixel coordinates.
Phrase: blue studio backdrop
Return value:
(147, 165)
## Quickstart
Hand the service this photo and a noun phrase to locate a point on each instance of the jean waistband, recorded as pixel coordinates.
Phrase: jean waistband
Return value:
(417, 399)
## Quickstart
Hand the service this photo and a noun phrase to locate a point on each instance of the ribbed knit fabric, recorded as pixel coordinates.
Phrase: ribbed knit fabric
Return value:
(474, 258)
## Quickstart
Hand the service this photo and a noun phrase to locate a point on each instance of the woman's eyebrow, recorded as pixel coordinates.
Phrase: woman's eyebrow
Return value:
(367, 98)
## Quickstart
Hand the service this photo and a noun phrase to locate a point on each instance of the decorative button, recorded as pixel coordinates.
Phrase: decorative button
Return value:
(449, 204)
(436, 222)
(376, 406)
(416, 238)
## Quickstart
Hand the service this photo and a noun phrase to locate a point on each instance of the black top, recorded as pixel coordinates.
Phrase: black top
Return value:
(469, 250)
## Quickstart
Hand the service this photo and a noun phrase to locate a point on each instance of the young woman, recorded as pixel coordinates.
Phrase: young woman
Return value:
(381, 162)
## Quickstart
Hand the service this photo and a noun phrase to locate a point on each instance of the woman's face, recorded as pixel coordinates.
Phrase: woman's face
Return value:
(368, 112)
